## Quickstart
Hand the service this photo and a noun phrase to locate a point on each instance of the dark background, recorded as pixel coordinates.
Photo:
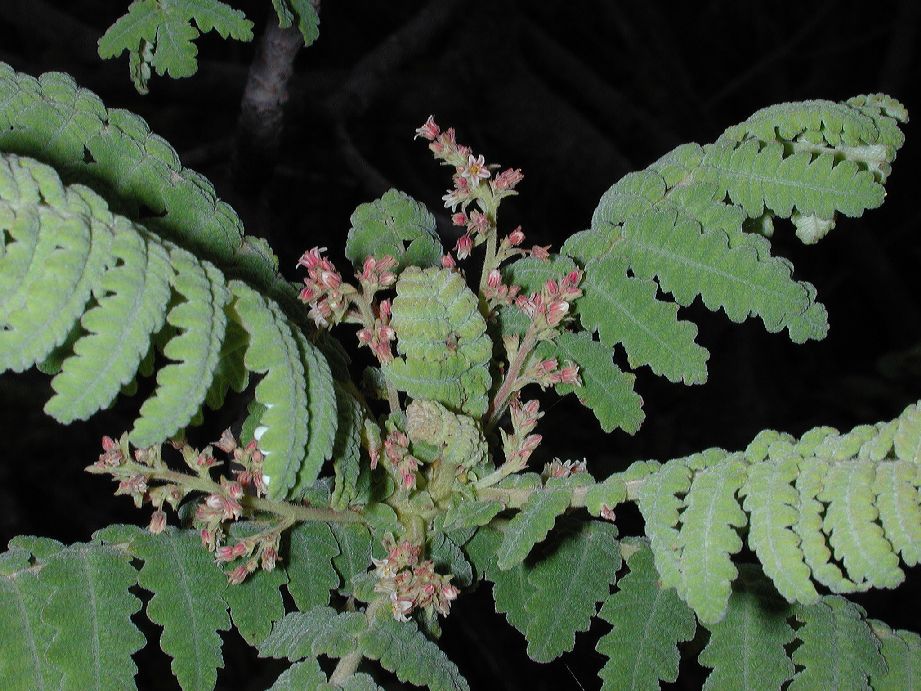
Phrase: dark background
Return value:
(576, 94)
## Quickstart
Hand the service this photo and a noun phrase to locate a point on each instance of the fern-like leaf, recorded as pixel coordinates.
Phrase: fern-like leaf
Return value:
(404, 650)
(838, 650)
(160, 35)
(442, 341)
(354, 553)
(395, 225)
(90, 609)
(346, 452)
(746, 649)
(323, 412)
(661, 506)
(649, 622)
(200, 321)
(187, 602)
(301, 676)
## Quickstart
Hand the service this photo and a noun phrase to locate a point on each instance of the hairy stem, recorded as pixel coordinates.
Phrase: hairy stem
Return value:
(346, 667)
(509, 384)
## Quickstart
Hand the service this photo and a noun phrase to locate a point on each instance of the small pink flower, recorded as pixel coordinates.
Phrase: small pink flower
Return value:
(494, 280)
(429, 130)
(508, 179)
(516, 237)
(556, 312)
(459, 219)
(224, 554)
(226, 443)
(607, 513)
(479, 223)
(475, 170)
(238, 575)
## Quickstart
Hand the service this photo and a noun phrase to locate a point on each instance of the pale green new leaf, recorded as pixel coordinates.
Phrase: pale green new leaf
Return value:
(838, 649)
(441, 340)
(899, 509)
(746, 649)
(319, 631)
(851, 525)
(309, 564)
(395, 225)
(708, 539)
(531, 525)
(649, 622)
(907, 437)
(661, 507)
(300, 12)
(273, 351)
(90, 609)
(160, 34)
(404, 650)
(200, 322)
(772, 502)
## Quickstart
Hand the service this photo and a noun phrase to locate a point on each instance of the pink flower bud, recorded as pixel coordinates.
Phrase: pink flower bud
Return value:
(226, 443)
(464, 246)
(385, 309)
(556, 312)
(269, 558)
(238, 575)
(364, 336)
(494, 280)
(447, 262)
(541, 253)
(157, 522)
(459, 219)
(225, 554)
(516, 237)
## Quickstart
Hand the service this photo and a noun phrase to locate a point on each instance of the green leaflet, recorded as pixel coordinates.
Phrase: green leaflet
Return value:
(773, 504)
(301, 676)
(90, 609)
(555, 595)
(55, 121)
(531, 274)
(273, 351)
(605, 388)
(902, 653)
(660, 506)
(469, 514)
(531, 525)
(899, 508)
(746, 649)
(319, 631)
(708, 538)
(907, 438)
(449, 558)
(309, 564)
(300, 12)
(118, 328)
(838, 650)
(71, 250)
(441, 341)
(346, 452)
(758, 177)
(354, 553)
(187, 602)
(649, 622)
(160, 35)
(395, 225)
(323, 412)
(230, 374)
(404, 650)
(624, 309)
(200, 321)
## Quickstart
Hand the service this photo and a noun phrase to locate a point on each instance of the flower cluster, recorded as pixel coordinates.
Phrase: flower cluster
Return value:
(260, 550)
(403, 463)
(410, 583)
(548, 308)
(548, 373)
(379, 334)
(323, 288)
(559, 469)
